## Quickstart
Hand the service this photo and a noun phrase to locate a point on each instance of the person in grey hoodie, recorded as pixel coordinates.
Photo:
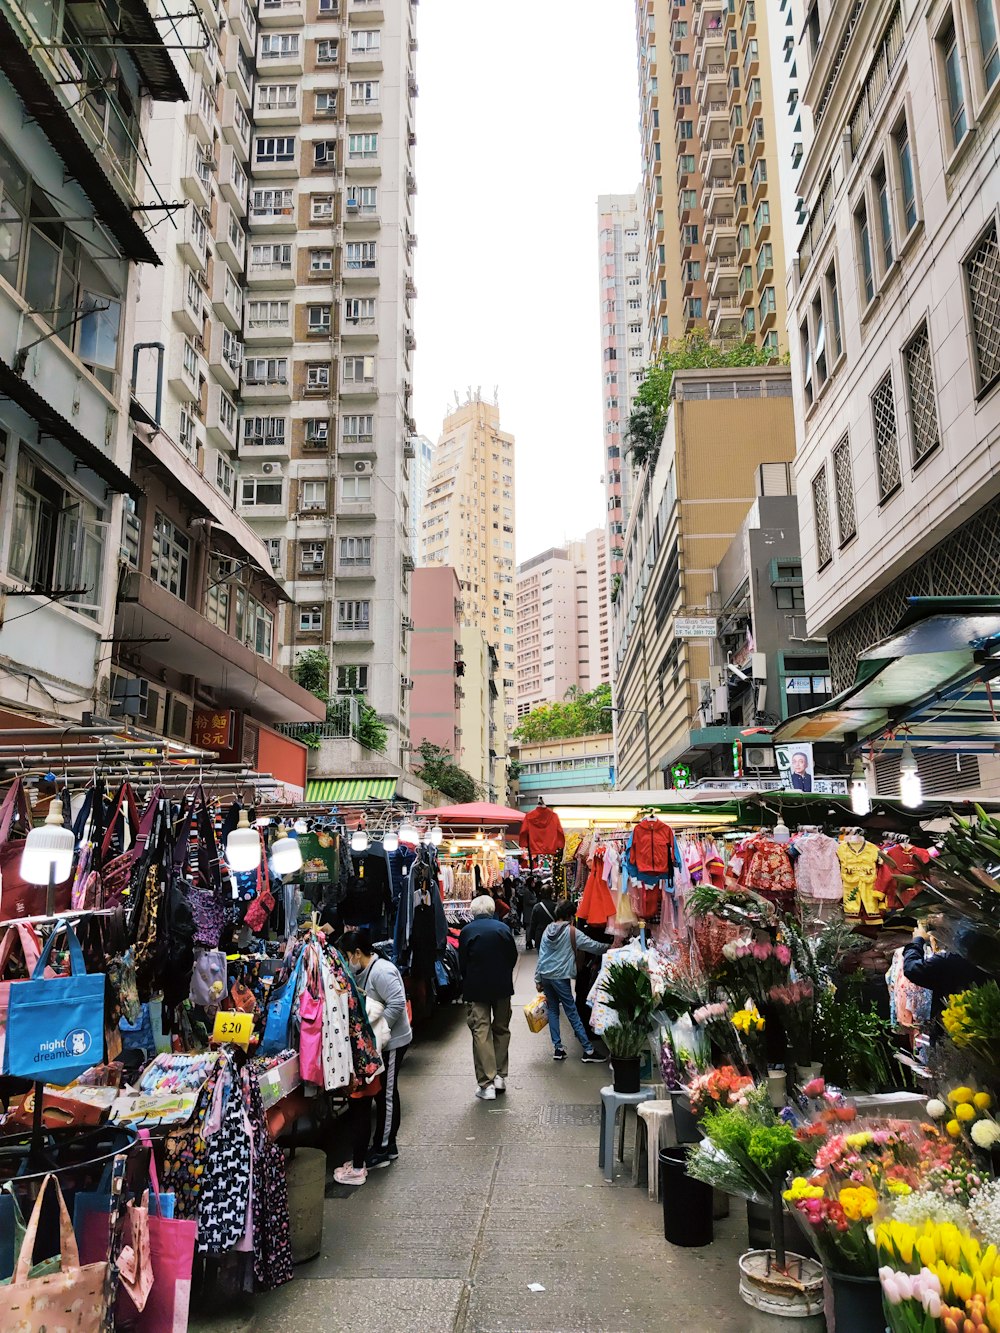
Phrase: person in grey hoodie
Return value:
(380, 981)
(555, 969)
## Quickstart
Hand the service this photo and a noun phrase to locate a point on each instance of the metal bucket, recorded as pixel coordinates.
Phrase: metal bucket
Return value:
(305, 1173)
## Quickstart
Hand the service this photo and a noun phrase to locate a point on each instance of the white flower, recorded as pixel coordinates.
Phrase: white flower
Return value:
(924, 1205)
(936, 1109)
(985, 1133)
(984, 1209)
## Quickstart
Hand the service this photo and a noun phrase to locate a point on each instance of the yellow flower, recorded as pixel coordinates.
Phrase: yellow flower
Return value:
(960, 1094)
(965, 1111)
(858, 1202)
(953, 1128)
(860, 1140)
(899, 1187)
(983, 1101)
(801, 1189)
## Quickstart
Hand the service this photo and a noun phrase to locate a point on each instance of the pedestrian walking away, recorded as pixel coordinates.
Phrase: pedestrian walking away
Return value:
(381, 984)
(542, 915)
(555, 970)
(487, 956)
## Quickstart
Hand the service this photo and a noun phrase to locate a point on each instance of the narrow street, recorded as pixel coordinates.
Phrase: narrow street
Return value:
(487, 1198)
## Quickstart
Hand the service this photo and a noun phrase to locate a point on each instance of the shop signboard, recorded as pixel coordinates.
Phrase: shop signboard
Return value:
(695, 627)
(212, 729)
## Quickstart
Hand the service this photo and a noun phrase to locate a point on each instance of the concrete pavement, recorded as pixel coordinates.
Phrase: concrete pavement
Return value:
(489, 1197)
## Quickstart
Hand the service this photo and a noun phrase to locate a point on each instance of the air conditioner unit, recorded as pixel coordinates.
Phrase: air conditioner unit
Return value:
(352, 205)
(362, 466)
(758, 756)
(271, 469)
(317, 564)
(407, 623)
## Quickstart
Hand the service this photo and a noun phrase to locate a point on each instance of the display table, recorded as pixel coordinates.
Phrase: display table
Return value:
(611, 1103)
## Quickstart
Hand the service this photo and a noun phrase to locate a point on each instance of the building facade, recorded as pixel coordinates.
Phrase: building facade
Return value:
(716, 149)
(436, 660)
(468, 523)
(562, 622)
(896, 315)
(623, 350)
(478, 713)
(691, 502)
(420, 476)
(586, 763)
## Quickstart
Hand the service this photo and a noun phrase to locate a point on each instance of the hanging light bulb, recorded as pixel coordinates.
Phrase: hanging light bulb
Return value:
(781, 831)
(437, 835)
(911, 791)
(243, 846)
(47, 855)
(480, 835)
(359, 840)
(286, 854)
(454, 849)
(408, 832)
(390, 840)
(861, 801)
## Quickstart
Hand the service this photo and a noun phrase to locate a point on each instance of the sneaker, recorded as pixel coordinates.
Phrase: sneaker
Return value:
(392, 1152)
(348, 1174)
(487, 1094)
(500, 1083)
(377, 1160)
(592, 1058)
(559, 1054)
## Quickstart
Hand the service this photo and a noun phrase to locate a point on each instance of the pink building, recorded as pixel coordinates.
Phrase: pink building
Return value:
(436, 659)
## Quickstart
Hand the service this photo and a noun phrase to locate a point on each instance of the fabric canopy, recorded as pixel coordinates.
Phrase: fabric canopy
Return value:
(351, 789)
(476, 812)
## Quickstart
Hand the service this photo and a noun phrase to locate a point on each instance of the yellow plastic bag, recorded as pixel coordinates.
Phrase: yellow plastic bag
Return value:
(537, 1013)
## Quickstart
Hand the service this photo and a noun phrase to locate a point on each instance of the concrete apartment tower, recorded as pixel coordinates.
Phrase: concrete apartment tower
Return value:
(623, 349)
(420, 476)
(711, 99)
(327, 381)
(562, 622)
(468, 523)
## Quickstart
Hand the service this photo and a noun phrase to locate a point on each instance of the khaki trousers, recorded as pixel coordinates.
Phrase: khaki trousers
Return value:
(489, 1023)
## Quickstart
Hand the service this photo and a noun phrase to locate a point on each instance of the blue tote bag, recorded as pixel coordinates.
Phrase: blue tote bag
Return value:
(55, 1027)
(280, 1008)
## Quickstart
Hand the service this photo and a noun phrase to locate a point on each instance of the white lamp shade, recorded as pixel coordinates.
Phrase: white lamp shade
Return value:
(286, 854)
(390, 840)
(48, 850)
(300, 826)
(243, 846)
(408, 833)
(359, 840)
(910, 787)
(781, 833)
(861, 802)
(437, 835)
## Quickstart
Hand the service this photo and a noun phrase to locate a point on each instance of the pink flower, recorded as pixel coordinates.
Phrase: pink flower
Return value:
(761, 953)
(815, 1087)
(783, 954)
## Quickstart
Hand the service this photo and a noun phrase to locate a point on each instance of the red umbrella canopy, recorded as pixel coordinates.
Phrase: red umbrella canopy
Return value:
(476, 812)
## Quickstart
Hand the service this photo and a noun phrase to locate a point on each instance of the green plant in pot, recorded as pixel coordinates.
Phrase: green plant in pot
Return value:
(630, 994)
(626, 1043)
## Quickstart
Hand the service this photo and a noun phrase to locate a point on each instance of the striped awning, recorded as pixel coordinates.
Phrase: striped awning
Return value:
(342, 790)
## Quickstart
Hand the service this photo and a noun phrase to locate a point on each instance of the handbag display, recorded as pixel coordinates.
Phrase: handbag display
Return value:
(17, 896)
(55, 1025)
(171, 1254)
(31, 949)
(116, 870)
(75, 1297)
(208, 980)
(280, 1010)
(311, 1037)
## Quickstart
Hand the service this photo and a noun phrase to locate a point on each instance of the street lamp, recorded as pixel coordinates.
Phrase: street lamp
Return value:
(636, 712)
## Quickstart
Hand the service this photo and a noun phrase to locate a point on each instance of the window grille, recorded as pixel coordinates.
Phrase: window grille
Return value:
(982, 270)
(843, 482)
(886, 438)
(821, 510)
(920, 387)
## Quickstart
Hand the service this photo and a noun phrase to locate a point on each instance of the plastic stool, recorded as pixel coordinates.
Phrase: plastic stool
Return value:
(611, 1103)
(654, 1129)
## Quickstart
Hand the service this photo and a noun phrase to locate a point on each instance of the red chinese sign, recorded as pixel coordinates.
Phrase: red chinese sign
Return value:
(212, 730)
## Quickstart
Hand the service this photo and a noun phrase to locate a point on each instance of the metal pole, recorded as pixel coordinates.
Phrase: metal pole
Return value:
(50, 893)
(645, 728)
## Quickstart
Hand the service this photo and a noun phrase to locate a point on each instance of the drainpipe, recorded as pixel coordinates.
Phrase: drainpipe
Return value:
(160, 352)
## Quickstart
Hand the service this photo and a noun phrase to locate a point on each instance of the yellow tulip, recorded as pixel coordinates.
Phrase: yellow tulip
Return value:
(993, 1313)
(961, 1285)
(983, 1101)
(927, 1251)
(953, 1128)
(987, 1262)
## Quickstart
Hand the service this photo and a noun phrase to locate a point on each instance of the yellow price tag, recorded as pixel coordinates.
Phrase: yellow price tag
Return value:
(236, 1029)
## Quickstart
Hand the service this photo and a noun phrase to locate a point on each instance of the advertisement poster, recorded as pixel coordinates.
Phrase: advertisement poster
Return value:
(795, 765)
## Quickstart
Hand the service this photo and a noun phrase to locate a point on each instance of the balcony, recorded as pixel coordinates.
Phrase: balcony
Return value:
(239, 72)
(363, 163)
(284, 113)
(722, 240)
(201, 113)
(723, 279)
(717, 195)
(263, 446)
(725, 320)
(243, 25)
(232, 242)
(366, 58)
(184, 370)
(274, 271)
(367, 9)
(225, 356)
(275, 163)
(221, 421)
(189, 302)
(196, 178)
(269, 387)
(275, 57)
(227, 297)
(271, 330)
(193, 245)
(354, 633)
(711, 84)
(233, 180)
(361, 216)
(272, 215)
(357, 570)
(358, 388)
(364, 111)
(716, 157)
(710, 51)
(713, 123)
(235, 124)
(708, 21)
(281, 13)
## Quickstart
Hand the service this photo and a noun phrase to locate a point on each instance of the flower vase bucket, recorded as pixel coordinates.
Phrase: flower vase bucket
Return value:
(776, 1302)
(776, 1087)
(625, 1073)
(857, 1303)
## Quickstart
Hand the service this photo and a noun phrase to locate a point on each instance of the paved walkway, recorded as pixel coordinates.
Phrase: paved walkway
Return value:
(487, 1197)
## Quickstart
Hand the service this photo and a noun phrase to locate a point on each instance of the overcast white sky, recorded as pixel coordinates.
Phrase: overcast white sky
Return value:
(528, 110)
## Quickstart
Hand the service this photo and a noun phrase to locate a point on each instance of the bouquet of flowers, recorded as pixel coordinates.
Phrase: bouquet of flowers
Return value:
(725, 1086)
(714, 1021)
(753, 967)
(756, 1147)
(972, 1021)
(749, 1024)
(966, 1113)
(793, 1005)
(937, 1276)
(836, 1219)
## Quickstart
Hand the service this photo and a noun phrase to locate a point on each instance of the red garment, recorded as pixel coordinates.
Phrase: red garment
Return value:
(767, 870)
(905, 861)
(542, 833)
(652, 847)
(597, 906)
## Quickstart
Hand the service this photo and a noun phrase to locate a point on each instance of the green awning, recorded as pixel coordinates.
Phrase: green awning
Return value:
(342, 790)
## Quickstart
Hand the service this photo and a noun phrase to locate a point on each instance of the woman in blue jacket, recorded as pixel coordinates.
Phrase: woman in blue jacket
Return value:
(554, 971)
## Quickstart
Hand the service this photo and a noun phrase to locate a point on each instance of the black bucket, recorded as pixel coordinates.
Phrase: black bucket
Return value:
(857, 1303)
(687, 1203)
(625, 1074)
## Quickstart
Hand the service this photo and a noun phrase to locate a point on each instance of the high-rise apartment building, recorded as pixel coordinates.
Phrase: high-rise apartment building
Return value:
(711, 100)
(325, 416)
(562, 622)
(468, 523)
(623, 350)
(420, 476)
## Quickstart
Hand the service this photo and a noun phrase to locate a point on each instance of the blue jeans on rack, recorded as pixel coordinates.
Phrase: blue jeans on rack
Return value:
(561, 993)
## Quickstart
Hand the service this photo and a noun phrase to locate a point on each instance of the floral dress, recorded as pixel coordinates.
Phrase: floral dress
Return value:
(767, 870)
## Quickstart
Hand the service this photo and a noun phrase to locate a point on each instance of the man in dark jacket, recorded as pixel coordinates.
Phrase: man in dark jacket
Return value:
(542, 916)
(944, 973)
(487, 956)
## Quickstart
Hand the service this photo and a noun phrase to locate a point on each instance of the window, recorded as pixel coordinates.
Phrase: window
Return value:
(908, 192)
(362, 199)
(364, 92)
(365, 40)
(227, 411)
(886, 438)
(352, 680)
(322, 207)
(313, 495)
(265, 370)
(954, 90)
(762, 218)
(272, 96)
(169, 559)
(311, 620)
(884, 217)
(989, 54)
(685, 129)
(271, 203)
(767, 304)
(318, 378)
(313, 556)
(362, 145)
(690, 234)
(326, 103)
(359, 310)
(359, 370)
(273, 545)
(355, 550)
(356, 488)
(765, 260)
(185, 432)
(803, 692)
(260, 491)
(263, 431)
(279, 45)
(267, 314)
(865, 253)
(353, 614)
(920, 393)
(329, 8)
(224, 475)
(685, 163)
(689, 199)
(320, 261)
(821, 517)
(325, 153)
(217, 594)
(327, 52)
(358, 429)
(58, 538)
(982, 277)
(190, 360)
(317, 431)
(318, 319)
(266, 257)
(843, 484)
(694, 307)
(270, 148)
(833, 309)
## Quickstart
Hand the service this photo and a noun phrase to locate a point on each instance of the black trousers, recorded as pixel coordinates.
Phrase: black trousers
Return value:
(359, 1121)
(387, 1105)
